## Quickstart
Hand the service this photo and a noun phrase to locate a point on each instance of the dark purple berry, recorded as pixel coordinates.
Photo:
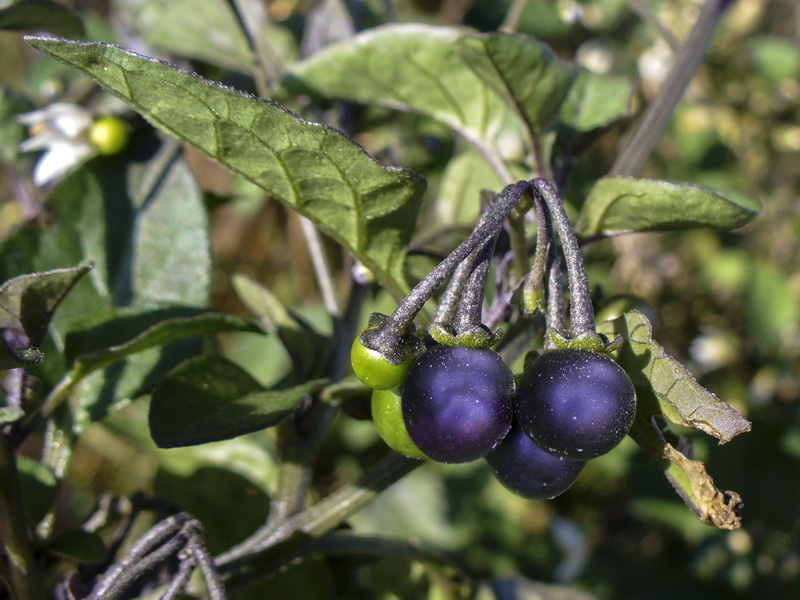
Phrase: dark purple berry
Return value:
(528, 471)
(575, 403)
(458, 402)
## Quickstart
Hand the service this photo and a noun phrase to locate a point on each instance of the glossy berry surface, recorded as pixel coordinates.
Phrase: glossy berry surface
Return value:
(458, 402)
(575, 403)
(372, 369)
(528, 471)
(388, 418)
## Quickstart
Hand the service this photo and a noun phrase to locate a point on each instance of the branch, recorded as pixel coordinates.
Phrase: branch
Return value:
(655, 119)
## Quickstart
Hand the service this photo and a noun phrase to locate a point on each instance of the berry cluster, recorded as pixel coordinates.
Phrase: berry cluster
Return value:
(453, 399)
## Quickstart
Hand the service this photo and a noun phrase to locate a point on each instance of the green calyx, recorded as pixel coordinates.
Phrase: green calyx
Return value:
(478, 336)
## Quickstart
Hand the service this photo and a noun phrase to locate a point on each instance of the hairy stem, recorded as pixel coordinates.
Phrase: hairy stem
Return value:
(503, 203)
(470, 309)
(655, 119)
(581, 311)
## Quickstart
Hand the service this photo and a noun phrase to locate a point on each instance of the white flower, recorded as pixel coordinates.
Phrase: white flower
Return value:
(62, 131)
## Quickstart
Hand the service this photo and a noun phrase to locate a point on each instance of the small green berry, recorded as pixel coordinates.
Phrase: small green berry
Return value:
(387, 413)
(109, 135)
(371, 368)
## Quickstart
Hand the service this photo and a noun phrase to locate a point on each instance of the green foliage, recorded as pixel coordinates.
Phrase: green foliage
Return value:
(119, 326)
(658, 376)
(621, 204)
(414, 68)
(27, 304)
(209, 398)
(368, 208)
(531, 79)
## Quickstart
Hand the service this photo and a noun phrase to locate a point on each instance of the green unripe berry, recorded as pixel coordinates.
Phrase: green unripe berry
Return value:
(371, 368)
(387, 414)
(109, 135)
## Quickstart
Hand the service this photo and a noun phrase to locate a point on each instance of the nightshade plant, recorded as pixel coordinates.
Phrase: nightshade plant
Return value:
(106, 300)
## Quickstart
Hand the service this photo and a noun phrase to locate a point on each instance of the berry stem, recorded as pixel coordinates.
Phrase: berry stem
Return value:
(533, 288)
(556, 308)
(581, 311)
(390, 336)
(470, 309)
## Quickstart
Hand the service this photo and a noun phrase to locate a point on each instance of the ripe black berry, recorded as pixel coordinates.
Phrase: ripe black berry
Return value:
(458, 402)
(575, 403)
(528, 471)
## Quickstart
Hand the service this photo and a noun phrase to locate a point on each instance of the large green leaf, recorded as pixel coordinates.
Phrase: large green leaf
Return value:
(369, 208)
(664, 386)
(415, 68)
(623, 204)
(523, 71)
(210, 398)
(27, 304)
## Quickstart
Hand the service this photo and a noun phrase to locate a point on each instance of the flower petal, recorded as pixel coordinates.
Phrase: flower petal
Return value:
(58, 160)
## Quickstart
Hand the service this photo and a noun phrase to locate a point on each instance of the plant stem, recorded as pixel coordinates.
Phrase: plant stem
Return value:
(403, 316)
(24, 576)
(322, 269)
(258, 70)
(325, 515)
(534, 286)
(655, 119)
(519, 247)
(392, 336)
(470, 308)
(513, 15)
(556, 308)
(581, 312)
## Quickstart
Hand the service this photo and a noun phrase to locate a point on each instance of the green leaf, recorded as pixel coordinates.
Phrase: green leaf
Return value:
(622, 204)
(522, 71)
(595, 101)
(27, 304)
(41, 15)
(209, 398)
(202, 29)
(39, 488)
(369, 208)
(305, 346)
(130, 332)
(415, 68)
(29, 301)
(664, 386)
(135, 348)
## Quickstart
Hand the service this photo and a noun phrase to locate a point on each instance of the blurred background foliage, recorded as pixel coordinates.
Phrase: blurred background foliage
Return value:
(726, 304)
